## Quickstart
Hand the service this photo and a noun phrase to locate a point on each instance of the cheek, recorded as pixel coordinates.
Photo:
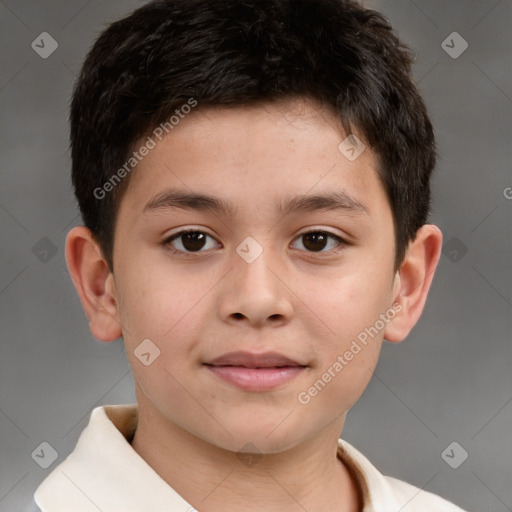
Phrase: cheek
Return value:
(340, 379)
(351, 308)
(156, 303)
(349, 304)
(165, 309)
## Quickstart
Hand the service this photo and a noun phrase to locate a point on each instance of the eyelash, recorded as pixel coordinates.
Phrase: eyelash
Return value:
(167, 243)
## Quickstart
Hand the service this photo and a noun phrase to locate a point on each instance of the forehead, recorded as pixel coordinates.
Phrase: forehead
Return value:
(251, 155)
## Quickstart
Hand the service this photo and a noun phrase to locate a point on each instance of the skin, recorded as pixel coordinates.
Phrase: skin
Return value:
(304, 304)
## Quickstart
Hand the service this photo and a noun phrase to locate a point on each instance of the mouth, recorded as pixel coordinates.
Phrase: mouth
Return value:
(255, 372)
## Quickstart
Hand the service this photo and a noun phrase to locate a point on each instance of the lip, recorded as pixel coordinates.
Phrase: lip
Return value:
(255, 372)
(251, 360)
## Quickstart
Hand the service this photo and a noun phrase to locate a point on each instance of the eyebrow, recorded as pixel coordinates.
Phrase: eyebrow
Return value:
(303, 203)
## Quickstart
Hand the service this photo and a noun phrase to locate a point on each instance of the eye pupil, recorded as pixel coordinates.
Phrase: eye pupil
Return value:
(315, 241)
(193, 241)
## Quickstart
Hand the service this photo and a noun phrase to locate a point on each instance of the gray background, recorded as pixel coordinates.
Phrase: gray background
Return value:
(449, 381)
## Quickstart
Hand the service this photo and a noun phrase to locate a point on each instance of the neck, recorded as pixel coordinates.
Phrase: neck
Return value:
(307, 477)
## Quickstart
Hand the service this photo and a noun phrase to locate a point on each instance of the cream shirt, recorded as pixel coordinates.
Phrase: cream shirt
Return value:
(104, 473)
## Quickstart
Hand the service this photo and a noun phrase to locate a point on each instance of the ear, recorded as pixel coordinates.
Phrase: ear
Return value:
(94, 283)
(413, 281)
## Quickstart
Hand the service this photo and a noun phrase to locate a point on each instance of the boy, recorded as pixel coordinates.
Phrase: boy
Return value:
(254, 179)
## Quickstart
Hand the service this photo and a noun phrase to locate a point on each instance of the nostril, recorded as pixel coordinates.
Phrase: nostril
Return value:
(238, 315)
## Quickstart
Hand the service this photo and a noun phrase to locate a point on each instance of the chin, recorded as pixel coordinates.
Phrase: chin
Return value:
(254, 439)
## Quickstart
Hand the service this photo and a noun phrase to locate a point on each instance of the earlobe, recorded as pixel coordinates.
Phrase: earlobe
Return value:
(94, 283)
(414, 280)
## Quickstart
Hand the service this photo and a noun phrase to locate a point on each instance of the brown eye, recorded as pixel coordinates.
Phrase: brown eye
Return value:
(189, 241)
(317, 241)
(193, 241)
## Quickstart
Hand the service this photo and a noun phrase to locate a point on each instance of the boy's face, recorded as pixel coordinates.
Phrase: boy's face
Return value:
(306, 298)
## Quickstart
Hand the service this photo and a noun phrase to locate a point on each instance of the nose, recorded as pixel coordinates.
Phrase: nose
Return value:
(256, 293)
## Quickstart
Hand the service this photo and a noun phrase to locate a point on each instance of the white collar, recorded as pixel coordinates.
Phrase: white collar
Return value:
(103, 461)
